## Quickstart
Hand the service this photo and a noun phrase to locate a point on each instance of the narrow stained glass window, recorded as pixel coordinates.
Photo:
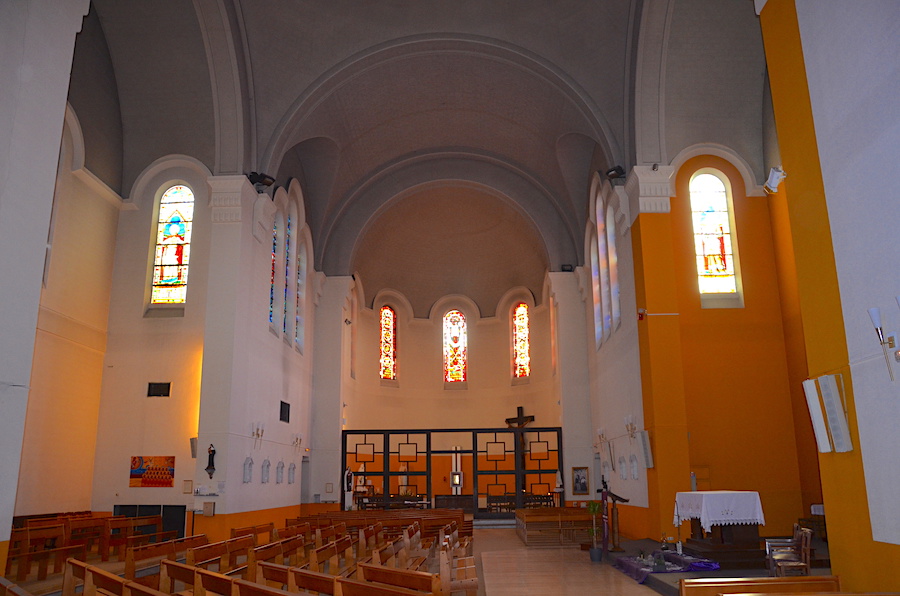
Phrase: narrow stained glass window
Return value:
(173, 246)
(455, 357)
(613, 254)
(595, 288)
(287, 273)
(272, 277)
(603, 262)
(388, 343)
(521, 345)
(301, 295)
(712, 235)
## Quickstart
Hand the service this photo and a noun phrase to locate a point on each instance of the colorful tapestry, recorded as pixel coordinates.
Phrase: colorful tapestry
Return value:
(152, 471)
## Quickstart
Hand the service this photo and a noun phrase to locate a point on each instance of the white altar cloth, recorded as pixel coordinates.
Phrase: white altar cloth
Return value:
(719, 508)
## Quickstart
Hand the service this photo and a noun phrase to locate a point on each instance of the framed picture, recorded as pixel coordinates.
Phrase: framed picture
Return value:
(580, 481)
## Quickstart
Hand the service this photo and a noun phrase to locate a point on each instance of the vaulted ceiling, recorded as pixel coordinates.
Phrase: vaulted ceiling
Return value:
(501, 106)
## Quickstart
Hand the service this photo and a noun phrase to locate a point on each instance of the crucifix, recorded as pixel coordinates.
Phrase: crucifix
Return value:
(520, 421)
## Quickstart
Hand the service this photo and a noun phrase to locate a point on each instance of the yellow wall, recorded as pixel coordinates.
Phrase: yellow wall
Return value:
(860, 561)
(737, 394)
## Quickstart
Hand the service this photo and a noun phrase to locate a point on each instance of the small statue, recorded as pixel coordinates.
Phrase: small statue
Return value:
(348, 480)
(211, 464)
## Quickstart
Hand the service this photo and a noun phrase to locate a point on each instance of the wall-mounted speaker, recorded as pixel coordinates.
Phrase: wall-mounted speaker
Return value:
(194, 447)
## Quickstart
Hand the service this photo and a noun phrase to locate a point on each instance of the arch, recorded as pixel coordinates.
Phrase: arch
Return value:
(533, 200)
(285, 133)
(168, 167)
(751, 187)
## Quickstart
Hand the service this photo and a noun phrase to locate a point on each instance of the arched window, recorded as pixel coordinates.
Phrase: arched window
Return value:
(603, 262)
(300, 307)
(717, 270)
(173, 246)
(455, 340)
(521, 342)
(388, 343)
(613, 255)
(287, 274)
(595, 287)
(272, 277)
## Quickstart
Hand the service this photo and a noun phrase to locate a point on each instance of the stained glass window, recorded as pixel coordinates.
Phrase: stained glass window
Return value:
(173, 246)
(603, 262)
(272, 277)
(388, 343)
(613, 255)
(712, 235)
(455, 355)
(287, 272)
(521, 344)
(299, 314)
(595, 287)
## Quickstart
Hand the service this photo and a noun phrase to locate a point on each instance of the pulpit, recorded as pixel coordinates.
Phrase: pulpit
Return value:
(724, 526)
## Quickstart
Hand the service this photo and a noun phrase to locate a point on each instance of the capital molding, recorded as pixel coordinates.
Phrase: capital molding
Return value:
(649, 189)
(225, 194)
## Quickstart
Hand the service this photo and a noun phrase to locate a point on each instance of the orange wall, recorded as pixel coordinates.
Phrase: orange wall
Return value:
(737, 390)
(662, 380)
(218, 527)
(855, 556)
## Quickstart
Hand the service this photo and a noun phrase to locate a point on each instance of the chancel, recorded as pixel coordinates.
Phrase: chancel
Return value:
(384, 227)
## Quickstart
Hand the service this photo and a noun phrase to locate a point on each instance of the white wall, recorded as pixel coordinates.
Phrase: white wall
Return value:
(853, 70)
(616, 390)
(70, 342)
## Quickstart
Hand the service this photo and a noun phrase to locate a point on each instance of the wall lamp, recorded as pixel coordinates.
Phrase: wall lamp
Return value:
(615, 172)
(875, 315)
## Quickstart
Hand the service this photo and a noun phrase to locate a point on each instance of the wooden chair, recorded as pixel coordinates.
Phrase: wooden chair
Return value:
(802, 565)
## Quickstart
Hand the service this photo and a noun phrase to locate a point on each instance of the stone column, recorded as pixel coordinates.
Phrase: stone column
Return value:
(37, 40)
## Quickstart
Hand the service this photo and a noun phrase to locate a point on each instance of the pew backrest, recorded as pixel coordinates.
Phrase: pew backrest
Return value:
(311, 581)
(352, 587)
(404, 578)
(173, 571)
(713, 586)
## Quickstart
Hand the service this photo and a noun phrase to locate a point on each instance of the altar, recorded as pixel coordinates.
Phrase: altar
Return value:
(724, 526)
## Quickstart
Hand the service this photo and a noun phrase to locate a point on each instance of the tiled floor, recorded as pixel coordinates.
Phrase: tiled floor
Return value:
(507, 567)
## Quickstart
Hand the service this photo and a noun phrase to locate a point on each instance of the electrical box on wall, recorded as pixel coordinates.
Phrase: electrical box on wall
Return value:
(209, 508)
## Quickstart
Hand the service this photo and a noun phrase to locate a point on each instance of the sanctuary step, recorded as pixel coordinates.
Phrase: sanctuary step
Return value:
(483, 524)
(729, 556)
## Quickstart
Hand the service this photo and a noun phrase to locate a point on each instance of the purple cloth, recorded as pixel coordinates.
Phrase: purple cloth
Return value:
(675, 563)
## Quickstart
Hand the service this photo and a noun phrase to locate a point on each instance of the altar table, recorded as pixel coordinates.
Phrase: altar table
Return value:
(719, 508)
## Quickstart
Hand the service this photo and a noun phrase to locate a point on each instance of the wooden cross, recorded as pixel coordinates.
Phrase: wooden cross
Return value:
(520, 420)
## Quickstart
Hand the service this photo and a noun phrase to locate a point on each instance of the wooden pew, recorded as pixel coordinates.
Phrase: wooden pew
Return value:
(238, 551)
(210, 582)
(713, 586)
(311, 581)
(404, 578)
(303, 529)
(394, 554)
(458, 573)
(87, 530)
(257, 531)
(177, 577)
(335, 558)
(7, 588)
(40, 544)
(352, 587)
(149, 555)
(73, 576)
(247, 588)
(213, 554)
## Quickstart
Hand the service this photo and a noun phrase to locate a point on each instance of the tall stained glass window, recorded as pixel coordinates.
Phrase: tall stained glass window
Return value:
(287, 273)
(712, 235)
(173, 246)
(272, 277)
(595, 290)
(388, 343)
(299, 308)
(521, 343)
(455, 355)
(613, 255)
(603, 262)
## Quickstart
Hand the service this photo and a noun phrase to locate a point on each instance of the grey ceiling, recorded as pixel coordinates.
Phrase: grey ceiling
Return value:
(503, 105)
